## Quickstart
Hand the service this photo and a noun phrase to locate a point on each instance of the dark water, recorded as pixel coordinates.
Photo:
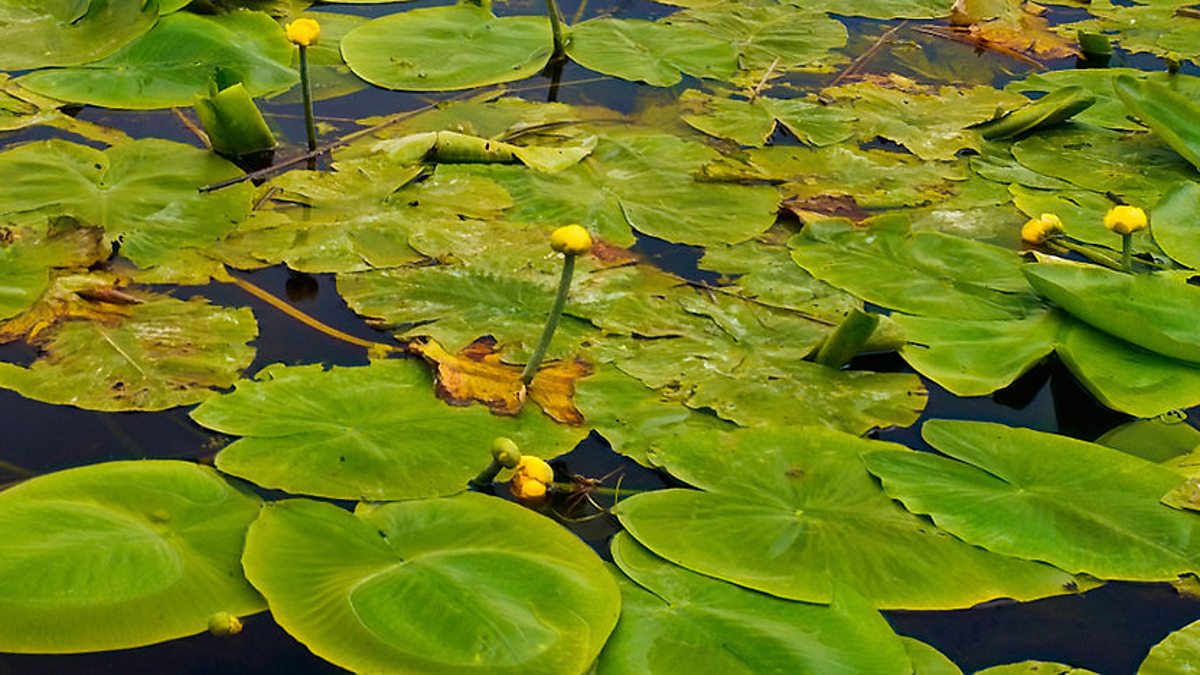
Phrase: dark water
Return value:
(1109, 629)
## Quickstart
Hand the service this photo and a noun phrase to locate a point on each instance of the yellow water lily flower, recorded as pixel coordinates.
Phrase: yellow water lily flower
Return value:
(304, 32)
(531, 480)
(1125, 219)
(1036, 231)
(571, 240)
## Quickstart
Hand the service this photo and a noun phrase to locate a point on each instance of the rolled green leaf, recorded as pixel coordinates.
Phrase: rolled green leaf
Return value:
(233, 123)
(847, 339)
(1174, 118)
(1053, 108)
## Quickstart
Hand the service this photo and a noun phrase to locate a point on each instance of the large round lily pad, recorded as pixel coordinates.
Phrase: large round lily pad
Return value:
(37, 33)
(676, 621)
(462, 584)
(443, 48)
(793, 512)
(120, 555)
(375, 432)
(177, 61)
(656, 53)
(1082, 507)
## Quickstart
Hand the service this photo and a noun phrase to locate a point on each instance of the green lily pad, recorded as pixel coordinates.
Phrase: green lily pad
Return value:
(973, 358)
(792, 512)
(931, 124)
(1154, 311)
(659, 54)
(120, 555)
(928, 661)
(177, 61)
(143, 192)
(1177, 654)
(1034, 668)
(153, 355)
(456, 585)
(673, 621)
(1076, 505)
(767, 34)
(752, 121)
(375, 432)
(68, 32)
(444, 48)
(1108, 111)
(1176, 228)
(926, 273)
(1155, 440)
(642, 181)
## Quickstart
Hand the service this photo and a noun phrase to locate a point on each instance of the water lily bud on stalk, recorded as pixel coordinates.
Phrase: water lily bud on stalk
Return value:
(1125, 220)
(304, 33)
(532, 479)
(571, 241)
(505, 455)
(1037, 230)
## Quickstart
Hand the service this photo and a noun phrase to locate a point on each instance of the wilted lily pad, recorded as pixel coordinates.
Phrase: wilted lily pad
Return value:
(442, 48)
(792, 512)
(375, 432)
(141, 352)
(1079, 506)
(177, 61)
(674, 620)
(143, 192)
(68, 32)
(455, 585)
(29, 254)
(120, 555)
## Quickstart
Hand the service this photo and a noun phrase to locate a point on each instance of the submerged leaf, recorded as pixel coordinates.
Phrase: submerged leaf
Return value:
(120, 555)
(463, 584)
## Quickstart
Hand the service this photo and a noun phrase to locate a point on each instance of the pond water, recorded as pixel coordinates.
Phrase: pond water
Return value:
(1108, 629)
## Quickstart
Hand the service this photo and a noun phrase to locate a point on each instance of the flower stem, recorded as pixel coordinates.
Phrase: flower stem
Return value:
(556, 28)
(560, 301)
(310, 127)
(1127, 252)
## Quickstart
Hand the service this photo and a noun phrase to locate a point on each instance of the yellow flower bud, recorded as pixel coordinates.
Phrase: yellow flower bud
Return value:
(571, 240)
(304, 32)
(1038, 230)
(1125, 219)
(532, 479)
(224, 624)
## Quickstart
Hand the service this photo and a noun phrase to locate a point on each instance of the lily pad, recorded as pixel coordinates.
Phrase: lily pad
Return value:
(456, 585)
(1178, 653)
(445, 48)
(1079, 506)
(792, 512)
(1176, 227)
(143, 192)
(154, 354)
(1108, 111)
(28, 256)
(1154, 311)
(69, 32)
(673, 620)
(121, 555)
(642, 181)
(752, 121)
(925, 273)
(375, 432)
(177, 61)
(659, 54)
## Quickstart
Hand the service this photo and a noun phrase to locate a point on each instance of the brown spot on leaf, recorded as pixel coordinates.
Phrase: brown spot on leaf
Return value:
(836, 206)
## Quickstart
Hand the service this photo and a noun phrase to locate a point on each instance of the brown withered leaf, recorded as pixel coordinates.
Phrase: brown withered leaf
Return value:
(93, 296)
(476, 374)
